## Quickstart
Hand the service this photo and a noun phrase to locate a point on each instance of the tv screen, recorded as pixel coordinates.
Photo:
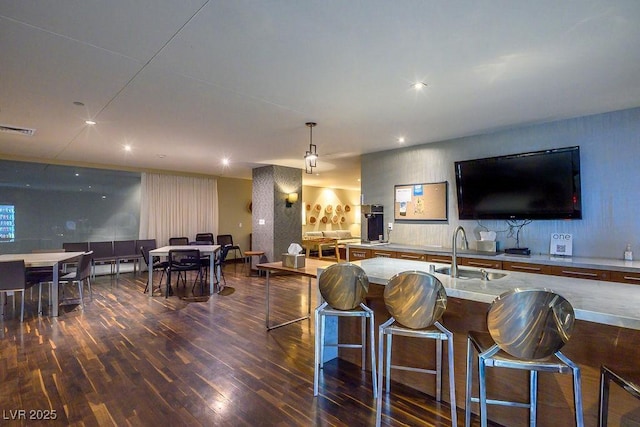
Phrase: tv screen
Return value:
(537, 185)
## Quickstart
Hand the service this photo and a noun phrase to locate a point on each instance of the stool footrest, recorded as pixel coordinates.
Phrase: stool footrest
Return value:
(502, 403)
(344, 345)
(412, 369)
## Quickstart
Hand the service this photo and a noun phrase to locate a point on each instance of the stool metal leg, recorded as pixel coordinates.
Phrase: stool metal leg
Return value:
(483, 391)
(452, 377)
(380, 371)
(317, 348)
(467, 403)
(577, 388)
(438, 370)
(322, 329)
(372, 346)
(533, 397)
(388, 365)
(363, 343)
(603, 408)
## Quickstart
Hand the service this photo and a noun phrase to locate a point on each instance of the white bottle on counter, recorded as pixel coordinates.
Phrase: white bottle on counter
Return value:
(628, 254)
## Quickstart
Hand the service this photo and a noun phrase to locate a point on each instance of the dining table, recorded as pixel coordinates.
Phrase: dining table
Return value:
(211, 250)
(46, 259)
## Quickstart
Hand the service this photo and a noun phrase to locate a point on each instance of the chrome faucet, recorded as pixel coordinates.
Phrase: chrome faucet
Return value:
(454, 245)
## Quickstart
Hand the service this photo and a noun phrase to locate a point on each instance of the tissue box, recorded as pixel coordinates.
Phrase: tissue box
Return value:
(486, 245)
(293, 261)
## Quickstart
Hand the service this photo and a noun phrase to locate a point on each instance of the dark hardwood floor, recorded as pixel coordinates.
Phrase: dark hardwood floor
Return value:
(128, 360)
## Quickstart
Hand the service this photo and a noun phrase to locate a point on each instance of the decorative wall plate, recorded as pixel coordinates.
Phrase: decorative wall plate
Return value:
(318, 208)
(343, 219)
(308, 206)
(338, 208)
(312, 220)
(328, 209)
(324, 219)
(347, 208)
(335, 219)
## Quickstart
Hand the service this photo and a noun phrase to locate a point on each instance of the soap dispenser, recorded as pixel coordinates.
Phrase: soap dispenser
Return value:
(628, 254)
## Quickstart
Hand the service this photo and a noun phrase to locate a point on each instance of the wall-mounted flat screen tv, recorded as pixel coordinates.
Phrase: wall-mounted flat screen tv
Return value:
(537, 185)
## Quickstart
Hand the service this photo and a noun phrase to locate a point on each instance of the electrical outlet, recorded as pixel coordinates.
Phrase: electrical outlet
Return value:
(261, 222)
(390, 226)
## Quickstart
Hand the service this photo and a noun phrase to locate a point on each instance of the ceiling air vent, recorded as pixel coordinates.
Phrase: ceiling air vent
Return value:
(15, 130)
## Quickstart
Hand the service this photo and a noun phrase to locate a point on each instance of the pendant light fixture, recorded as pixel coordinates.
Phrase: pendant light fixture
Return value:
(311, 155)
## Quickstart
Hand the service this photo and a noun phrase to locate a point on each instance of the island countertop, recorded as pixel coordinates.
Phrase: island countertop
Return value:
(606, 332)
(608, 303)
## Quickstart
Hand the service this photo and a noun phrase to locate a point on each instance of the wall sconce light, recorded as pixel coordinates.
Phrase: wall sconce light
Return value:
(291, 199)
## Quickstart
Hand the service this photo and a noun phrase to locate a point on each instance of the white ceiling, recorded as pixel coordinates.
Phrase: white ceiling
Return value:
(196, 81)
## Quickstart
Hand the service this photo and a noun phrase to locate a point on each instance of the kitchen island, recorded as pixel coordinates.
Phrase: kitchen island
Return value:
(607, 331)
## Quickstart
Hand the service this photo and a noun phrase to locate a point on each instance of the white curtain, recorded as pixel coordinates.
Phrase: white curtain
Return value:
(177, 206)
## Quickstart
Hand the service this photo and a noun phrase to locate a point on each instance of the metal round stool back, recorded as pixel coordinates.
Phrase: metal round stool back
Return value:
(415, 299)
(530, 323)
(343, 286)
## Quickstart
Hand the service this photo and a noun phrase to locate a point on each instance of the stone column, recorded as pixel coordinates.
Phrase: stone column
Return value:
(274, 225)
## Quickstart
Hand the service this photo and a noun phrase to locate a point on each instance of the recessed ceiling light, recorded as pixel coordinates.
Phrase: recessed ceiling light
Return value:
(401, 140)
(225, 162)
(127, 147)
(104, 197)
(77, 174)
(419, 85)
(90, 122)
(162, 156)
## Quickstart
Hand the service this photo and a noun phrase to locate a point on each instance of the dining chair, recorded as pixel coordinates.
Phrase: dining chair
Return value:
(44, 275)
(156, 264)
(178, 241)
(205, 237)
(80, 276)
(205, 260)
(13, 279)
(182, 261)
(227, 240)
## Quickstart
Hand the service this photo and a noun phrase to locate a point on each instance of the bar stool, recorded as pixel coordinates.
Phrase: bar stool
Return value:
(416, 301)
(527, 329)
(343, 288)
(630, 382)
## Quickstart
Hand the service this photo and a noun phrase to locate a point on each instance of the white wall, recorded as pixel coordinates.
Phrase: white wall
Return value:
(610, 158)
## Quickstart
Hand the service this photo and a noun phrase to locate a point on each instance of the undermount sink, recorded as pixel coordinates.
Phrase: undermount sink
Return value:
(464, 273)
